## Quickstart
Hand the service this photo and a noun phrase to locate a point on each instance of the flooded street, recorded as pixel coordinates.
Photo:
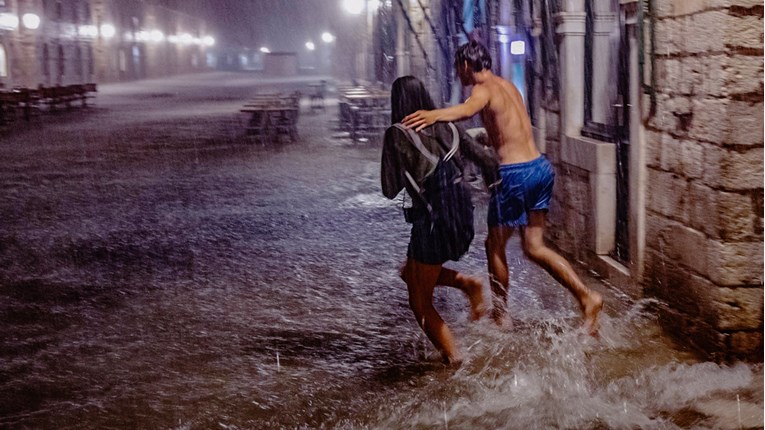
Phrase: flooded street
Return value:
(160, 270)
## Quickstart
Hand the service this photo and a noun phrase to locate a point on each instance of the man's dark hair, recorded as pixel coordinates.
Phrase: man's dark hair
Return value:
(408, 95)
(476, 55)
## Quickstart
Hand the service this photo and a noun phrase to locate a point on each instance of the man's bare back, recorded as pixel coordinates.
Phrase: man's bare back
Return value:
(507, 124)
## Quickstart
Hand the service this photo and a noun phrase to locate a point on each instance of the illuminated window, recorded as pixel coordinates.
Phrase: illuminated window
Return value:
(46, 61)
(61, 64)
(3, 62)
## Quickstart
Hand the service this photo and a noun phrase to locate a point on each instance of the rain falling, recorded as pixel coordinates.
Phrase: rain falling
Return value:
(209, 220)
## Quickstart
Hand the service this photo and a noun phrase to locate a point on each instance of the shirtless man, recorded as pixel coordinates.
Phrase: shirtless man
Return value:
(522, 198)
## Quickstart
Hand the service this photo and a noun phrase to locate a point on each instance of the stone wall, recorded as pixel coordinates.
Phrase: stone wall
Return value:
(704, 217)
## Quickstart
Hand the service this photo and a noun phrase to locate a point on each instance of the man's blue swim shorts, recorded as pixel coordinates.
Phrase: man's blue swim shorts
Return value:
(525, 187)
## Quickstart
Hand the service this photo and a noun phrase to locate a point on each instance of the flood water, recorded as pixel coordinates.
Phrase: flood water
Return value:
(158, 270)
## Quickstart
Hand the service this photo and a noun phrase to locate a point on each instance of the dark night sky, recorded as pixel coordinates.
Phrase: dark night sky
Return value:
(279, 24)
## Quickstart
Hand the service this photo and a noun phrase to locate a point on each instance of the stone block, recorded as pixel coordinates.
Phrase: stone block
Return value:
(669, 37)
(671, 154)
(589, 154)
(735, 217)
(720, 214)
(683, 247)
(667, 194)
(744, 32)
(735, 263)
(682, 290)
(732, 169)
(705, 31)
(743, 74)
(708, 75)
(578, 195)
(692, 159)
(709, 118)
(739, 308)
(702, 209)
(653, 141)
(687, 7)
(745, 122)
(686, 246)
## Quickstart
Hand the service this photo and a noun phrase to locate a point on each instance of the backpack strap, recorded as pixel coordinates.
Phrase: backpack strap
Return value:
(455, 141)
(415, 139)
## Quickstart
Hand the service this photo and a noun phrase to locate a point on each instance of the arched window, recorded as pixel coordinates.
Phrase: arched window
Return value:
(3, 62)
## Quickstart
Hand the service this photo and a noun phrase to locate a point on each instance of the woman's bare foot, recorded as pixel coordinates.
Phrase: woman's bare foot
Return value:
(473, 289)
(591, 307)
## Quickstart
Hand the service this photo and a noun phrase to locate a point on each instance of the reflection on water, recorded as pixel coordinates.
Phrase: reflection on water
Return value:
(191, 280)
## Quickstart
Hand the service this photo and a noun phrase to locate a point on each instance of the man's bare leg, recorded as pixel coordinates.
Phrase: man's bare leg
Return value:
(421, 280)
(590, 301)
(472, 287)
(499, 276)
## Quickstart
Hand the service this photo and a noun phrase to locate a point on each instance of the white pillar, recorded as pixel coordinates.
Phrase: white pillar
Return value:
(402, 56)
(602, 64)
(571, 27)
(637, 166)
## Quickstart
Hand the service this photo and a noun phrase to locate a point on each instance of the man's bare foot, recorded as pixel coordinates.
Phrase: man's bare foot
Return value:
(501, 319)
(591, 307)
(473, 289)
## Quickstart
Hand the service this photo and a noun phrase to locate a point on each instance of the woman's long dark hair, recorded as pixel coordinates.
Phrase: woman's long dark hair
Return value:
(407, 96)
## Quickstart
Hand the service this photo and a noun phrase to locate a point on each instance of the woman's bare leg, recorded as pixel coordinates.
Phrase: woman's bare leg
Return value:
(471, 286)
(421, 280)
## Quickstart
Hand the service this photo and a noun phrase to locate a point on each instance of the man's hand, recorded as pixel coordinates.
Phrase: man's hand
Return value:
(421, 119)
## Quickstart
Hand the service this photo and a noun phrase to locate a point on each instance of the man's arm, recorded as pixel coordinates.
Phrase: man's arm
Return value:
(478, 99)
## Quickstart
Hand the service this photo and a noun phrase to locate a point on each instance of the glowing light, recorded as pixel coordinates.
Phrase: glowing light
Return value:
(173, 38)
(503, 38)
(128, 37)
(9, 21)
(108, 31)
(186, 38)
(354, 7)
(517, 47)
(88, 31)
(373, 5)
(208, 41)
(30, 21)
(310, 46)
(156, 36)
(142, 36)
(327, 37)
(265, 50)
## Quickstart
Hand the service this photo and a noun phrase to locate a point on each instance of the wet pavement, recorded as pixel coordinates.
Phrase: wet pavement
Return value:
(159, 269)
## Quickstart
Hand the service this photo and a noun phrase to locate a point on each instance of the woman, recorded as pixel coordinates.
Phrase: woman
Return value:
(423, 269)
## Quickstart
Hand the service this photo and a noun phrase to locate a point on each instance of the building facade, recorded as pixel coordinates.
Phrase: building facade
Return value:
(652, 113)
(63, 42)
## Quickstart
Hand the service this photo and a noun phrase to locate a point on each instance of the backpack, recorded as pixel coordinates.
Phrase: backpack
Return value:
(446, 198)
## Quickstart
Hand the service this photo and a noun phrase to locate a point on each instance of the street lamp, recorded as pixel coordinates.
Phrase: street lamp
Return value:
(327, 37)
(30, 21)
(354, 7)
(265, 50)
(9, 21)
(108, 31)
(310, 46)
